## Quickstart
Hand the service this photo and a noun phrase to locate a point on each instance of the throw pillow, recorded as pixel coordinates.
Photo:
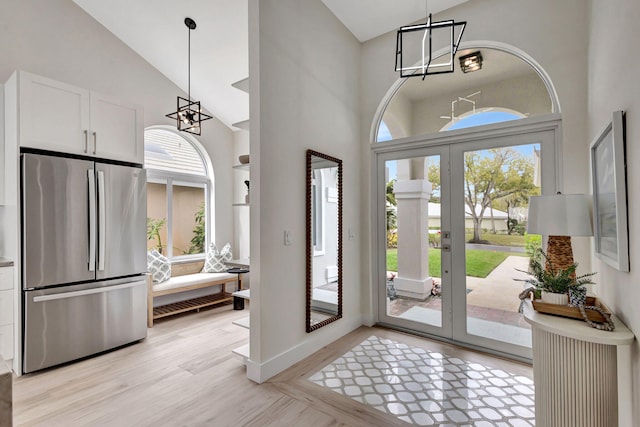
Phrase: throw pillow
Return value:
(159, 266)
(215, 262)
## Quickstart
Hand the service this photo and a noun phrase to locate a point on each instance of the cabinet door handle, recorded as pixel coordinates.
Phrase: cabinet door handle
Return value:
(95, 142)
(86, 141)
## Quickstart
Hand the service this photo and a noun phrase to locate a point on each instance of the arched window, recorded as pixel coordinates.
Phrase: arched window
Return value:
(384, 134)
(507, 83)
(179, 179)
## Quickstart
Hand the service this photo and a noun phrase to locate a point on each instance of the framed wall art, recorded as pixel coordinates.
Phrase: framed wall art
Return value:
(608, 172)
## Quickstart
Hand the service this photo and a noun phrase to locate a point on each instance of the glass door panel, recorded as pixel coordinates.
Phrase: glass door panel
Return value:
(497, 186)
(188, 226)
(492, 181)
(417, 295)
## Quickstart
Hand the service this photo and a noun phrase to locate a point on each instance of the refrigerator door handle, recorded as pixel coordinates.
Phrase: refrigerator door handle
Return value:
(102, 222)
(92, 219)
(66, 295)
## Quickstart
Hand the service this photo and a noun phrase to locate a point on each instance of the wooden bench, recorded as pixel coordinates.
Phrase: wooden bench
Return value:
(187, 277)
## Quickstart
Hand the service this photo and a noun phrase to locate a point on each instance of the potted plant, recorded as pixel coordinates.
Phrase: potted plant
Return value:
(555, 284)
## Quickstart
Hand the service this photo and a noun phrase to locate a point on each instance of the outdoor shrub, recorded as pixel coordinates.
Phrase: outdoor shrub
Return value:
(153, 231)
(532, 242)
(392, 240)
(519, 229)
(434, 240)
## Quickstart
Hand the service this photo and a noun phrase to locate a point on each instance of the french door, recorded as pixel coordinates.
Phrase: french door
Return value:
(451, 232)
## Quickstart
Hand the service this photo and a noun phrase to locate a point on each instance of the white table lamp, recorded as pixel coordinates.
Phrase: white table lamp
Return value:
(560, 216)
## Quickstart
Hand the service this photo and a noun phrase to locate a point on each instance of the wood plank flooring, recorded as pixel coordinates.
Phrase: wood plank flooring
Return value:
(184, 374)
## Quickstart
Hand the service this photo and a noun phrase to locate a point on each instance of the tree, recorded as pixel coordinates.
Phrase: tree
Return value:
(433, 175)
(491, 175)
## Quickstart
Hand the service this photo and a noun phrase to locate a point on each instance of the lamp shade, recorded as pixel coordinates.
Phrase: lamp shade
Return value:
(560, 215)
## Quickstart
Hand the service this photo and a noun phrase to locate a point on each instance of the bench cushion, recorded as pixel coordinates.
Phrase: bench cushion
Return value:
(192, 279)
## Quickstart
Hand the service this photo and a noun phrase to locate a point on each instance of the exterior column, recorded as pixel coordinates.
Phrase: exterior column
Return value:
(412, 197)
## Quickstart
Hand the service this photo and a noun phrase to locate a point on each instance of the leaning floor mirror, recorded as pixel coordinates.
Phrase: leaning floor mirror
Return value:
(324, 240)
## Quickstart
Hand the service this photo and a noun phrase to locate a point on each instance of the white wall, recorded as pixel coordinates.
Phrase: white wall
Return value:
(553, 33)
(613, 85)
(398, 116)
(304, 77)
(57, 39)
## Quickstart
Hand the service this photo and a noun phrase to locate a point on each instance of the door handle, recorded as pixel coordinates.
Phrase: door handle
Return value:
(86, 141)
(446, 248)
(102, 223)
(95, 142)
(92, 219)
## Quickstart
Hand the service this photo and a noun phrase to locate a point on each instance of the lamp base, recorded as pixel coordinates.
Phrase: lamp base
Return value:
(559, 253)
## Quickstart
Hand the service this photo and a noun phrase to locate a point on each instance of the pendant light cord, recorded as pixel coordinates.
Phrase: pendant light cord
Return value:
(189, 67)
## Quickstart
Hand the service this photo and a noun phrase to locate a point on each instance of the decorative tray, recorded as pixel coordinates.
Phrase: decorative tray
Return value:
(573, 312)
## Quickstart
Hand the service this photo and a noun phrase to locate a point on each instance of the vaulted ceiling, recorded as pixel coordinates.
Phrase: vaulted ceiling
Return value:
(155, 29)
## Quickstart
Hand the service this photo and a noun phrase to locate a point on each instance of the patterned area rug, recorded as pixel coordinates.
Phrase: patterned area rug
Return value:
(428, 388)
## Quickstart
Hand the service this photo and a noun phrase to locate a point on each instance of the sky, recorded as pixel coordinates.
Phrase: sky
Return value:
(479, 119)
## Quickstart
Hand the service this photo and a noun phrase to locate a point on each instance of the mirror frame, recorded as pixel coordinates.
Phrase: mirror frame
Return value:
(310, 327)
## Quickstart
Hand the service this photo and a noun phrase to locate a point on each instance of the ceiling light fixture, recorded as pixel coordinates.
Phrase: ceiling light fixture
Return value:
(421, 36)
(453, 117)
(189, 115)
(471, 62)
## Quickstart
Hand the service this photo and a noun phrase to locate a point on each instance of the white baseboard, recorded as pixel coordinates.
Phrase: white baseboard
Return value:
(261, 372)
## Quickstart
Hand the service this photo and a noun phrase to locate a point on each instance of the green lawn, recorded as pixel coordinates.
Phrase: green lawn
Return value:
(479, 263)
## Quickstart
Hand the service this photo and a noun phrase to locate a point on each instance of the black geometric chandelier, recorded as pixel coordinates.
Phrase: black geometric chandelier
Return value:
(421, 37)
(188, 114)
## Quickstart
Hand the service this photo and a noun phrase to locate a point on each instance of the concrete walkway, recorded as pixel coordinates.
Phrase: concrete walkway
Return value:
(499, 290)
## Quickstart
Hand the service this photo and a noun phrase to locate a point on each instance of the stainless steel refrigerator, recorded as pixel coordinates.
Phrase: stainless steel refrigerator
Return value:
(83, 257)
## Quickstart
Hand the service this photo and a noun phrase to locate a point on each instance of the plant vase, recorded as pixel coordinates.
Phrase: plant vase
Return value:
(554, 298)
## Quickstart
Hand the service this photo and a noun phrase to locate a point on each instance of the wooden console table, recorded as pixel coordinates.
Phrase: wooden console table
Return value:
(580, 372)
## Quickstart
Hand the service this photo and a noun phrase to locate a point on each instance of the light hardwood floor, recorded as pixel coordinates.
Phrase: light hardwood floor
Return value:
(184, 374)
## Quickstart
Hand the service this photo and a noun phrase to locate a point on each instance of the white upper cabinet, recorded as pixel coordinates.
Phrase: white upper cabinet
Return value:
(60, 117)
(52, 115)
(117, 129)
